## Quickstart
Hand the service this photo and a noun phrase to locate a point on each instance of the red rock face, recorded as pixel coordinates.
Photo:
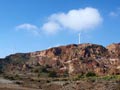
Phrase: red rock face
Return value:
(74, 59)
(114, 50)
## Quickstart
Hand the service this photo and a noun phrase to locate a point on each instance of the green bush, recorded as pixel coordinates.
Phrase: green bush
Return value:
(52, 74)
(80, 75)
(12, 77)
(39, 69)
(90, 74)
(43, 69)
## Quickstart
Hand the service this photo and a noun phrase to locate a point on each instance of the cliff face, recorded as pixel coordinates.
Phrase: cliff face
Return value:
(71, 51)
(114, 50)
(70, 60)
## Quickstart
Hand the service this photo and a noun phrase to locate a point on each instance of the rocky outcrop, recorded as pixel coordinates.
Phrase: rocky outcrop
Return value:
(71, 59)
(114, 50)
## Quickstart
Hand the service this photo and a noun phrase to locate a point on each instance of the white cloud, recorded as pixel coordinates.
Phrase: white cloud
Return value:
(28, 27)
(51, 27)
(76, 20)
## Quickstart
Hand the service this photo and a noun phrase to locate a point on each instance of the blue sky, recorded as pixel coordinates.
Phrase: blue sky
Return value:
(28, 25)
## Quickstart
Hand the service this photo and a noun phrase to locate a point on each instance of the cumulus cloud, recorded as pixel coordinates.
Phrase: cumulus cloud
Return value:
(28, 27)
(75, 20)
(51, 27)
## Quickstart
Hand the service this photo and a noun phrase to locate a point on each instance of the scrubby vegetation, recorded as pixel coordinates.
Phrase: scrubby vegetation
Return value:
(12, 77)
(90, 74)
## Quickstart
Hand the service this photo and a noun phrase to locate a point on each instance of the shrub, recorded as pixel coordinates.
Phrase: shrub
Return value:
(12, 77)
(52, 74)
(43, 69)
(39, 69)
(48, 81)
(90, 74)
(80, 75)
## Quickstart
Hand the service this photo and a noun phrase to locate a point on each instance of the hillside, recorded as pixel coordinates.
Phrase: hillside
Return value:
(71, 67)
(114, 50)
(63, 61)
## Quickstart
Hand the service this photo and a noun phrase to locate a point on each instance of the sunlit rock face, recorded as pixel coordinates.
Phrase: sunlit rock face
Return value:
(71, 59)
(114, 50)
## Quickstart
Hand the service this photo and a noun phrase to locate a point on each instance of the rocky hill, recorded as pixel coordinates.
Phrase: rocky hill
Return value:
(114, 50)
(62, 61)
